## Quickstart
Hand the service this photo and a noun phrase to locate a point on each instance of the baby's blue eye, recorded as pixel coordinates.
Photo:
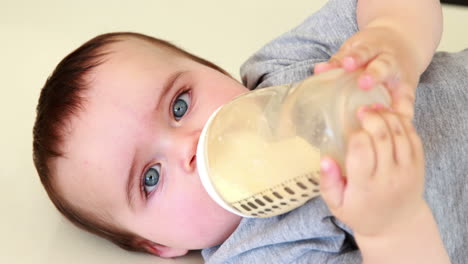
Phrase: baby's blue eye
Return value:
(151, 178)
(181, 105)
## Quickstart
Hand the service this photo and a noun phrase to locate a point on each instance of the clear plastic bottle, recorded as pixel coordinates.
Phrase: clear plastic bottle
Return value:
(259, 155)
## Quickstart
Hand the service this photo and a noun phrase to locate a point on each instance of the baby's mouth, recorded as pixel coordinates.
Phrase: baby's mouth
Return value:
(193, 161)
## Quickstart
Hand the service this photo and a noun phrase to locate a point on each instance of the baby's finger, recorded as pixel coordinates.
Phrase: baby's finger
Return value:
(357, 52)
(325, 66)
(377, 128)
(360, 55)
(403, 101)
(382, 69)
(332, 183)
(360, 159)
(402, 149)
(336, 60)
(417, 151)
(353, 54)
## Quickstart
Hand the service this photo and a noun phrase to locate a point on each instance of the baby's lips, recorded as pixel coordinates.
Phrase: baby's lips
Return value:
(193, 162)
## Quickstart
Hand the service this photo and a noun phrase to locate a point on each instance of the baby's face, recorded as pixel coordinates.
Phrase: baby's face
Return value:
(130, 156)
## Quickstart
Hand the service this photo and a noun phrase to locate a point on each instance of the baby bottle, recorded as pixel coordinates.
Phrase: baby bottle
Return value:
(259, 155)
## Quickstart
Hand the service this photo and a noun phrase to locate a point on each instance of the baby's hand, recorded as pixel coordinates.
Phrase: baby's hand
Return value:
(385, 58)
(384, 171)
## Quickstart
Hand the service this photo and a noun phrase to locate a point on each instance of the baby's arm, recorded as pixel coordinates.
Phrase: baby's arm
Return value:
(381, 197)
(418, 23)
(395, 44)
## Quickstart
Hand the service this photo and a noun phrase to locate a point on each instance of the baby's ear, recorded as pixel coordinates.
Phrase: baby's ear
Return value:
(161, 250)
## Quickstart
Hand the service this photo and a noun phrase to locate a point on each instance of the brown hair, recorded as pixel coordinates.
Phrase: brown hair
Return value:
(60, 99)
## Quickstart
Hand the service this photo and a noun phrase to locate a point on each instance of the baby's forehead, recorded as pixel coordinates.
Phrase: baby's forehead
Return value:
(131, 60)
(133, 57)
(127, 47)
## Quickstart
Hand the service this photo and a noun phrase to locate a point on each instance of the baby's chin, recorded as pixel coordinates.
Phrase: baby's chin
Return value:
(224, 228)
(215, 227)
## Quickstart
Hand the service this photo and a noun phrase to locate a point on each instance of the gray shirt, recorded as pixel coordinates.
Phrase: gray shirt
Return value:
(310, 234)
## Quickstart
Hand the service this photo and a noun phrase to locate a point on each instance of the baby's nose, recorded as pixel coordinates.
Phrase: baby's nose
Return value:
(189, 150)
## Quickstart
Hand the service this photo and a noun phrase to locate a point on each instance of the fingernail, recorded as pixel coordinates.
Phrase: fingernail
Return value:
(378, 106)
(319, 67)
(361, 112)
(366, 82)
(349, 63)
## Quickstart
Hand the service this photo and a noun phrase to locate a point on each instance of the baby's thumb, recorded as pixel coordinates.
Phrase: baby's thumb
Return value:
(332, 184)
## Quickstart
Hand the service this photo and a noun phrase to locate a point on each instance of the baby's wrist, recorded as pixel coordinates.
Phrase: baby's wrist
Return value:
(413, 58)
(397, 231)
(417, 241)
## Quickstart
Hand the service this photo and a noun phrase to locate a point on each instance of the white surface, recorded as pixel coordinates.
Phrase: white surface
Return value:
(35, 35)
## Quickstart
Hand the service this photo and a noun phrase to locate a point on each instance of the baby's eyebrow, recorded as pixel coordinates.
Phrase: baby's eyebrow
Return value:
(133, 179)
(167, 86)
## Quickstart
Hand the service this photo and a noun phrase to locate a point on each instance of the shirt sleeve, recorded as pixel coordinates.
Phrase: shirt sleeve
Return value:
(313, 41)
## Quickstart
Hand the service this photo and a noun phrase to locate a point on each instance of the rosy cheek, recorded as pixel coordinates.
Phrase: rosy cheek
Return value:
(190, 221)
(186, 205)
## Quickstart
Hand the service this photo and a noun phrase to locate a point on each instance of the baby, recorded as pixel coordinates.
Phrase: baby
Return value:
(119, 120)
(134, 108)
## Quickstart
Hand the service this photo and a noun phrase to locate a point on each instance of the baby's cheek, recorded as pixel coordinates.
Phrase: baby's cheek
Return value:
(187, 203)
(197, 217)
(204, 211)
(197, 208)
(190, 223)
